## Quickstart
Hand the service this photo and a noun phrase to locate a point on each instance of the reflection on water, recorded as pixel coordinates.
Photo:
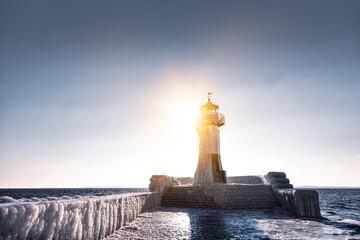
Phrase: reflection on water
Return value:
(266, 224)
(180, 223)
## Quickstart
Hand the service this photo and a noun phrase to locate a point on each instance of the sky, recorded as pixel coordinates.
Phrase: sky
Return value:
(105, 93)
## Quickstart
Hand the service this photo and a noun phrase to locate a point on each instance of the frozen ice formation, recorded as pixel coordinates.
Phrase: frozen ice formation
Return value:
(158, 183)
(6, 199)
(85, 218)
(303, 203)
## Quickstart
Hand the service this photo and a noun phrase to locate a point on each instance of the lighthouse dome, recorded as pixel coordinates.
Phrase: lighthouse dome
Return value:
(209, 106)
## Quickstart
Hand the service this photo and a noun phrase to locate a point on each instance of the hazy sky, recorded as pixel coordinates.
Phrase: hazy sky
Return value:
(104, 93)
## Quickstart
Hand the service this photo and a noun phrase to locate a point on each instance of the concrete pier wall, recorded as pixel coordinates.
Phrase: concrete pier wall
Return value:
(220, 196)
(301, 202)
(232, 179)
(298, 201)
(85, 218)
(246, 179)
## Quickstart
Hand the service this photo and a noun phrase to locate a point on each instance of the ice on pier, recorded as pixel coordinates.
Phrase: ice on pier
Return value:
(6, 199)
(301, 202)
(82, 218)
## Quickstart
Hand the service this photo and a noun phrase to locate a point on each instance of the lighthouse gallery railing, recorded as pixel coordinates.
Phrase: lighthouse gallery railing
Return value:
(214, 118)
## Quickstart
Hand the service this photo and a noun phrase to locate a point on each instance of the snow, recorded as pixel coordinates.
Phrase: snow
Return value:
(62, 218)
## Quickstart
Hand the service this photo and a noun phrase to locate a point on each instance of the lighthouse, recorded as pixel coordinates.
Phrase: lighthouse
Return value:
(208, 123)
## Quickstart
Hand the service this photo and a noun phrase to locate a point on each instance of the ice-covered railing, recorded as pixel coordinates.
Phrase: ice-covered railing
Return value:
(84, 218)
(301, 202)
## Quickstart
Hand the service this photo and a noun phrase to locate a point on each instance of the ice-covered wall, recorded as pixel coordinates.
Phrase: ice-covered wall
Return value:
(301, 202)
(158, 183)
(85, 218)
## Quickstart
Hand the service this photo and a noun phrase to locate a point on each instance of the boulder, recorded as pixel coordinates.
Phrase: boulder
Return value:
(158, 183)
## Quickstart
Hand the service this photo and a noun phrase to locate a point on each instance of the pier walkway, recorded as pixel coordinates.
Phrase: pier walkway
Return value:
(191, 223)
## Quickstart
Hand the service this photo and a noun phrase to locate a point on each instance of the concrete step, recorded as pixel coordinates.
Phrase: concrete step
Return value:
(220, 196)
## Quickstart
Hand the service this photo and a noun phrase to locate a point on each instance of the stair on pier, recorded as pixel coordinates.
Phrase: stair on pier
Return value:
(187, 196)
(223, 196)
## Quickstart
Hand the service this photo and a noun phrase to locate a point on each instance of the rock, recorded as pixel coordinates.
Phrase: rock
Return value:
(158, 183)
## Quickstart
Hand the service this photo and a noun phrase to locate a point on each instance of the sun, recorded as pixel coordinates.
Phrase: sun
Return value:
(184, 113)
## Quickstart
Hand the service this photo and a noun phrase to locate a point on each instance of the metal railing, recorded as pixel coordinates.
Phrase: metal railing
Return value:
(212, 118)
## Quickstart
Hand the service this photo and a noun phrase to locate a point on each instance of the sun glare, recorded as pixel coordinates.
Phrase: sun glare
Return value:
(169, 136)
(184, 114)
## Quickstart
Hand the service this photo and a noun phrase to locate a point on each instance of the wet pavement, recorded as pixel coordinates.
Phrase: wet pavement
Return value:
(182, 223)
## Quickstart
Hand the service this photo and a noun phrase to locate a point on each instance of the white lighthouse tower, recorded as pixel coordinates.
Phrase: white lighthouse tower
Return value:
(209, 169)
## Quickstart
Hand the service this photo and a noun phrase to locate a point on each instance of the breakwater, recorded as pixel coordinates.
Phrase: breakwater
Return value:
(246, 192)
(85, 218)
(301, 202)
(95, 217)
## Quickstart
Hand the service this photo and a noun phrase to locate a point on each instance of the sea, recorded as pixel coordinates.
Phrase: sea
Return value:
(29, 193)
(340, 204)
(340, 209)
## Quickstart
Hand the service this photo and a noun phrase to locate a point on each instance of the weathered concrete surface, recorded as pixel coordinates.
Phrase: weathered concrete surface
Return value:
(222, 196)
(246, 179)
(232, 179)
(300, 202)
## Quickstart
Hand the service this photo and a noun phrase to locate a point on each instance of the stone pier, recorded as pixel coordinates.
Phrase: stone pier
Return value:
(243, 192)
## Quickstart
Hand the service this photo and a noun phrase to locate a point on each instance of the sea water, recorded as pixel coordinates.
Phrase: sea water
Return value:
(340, 204)
(33, 193)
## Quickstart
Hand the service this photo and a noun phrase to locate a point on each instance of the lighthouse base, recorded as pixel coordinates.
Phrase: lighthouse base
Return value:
(209, 170)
